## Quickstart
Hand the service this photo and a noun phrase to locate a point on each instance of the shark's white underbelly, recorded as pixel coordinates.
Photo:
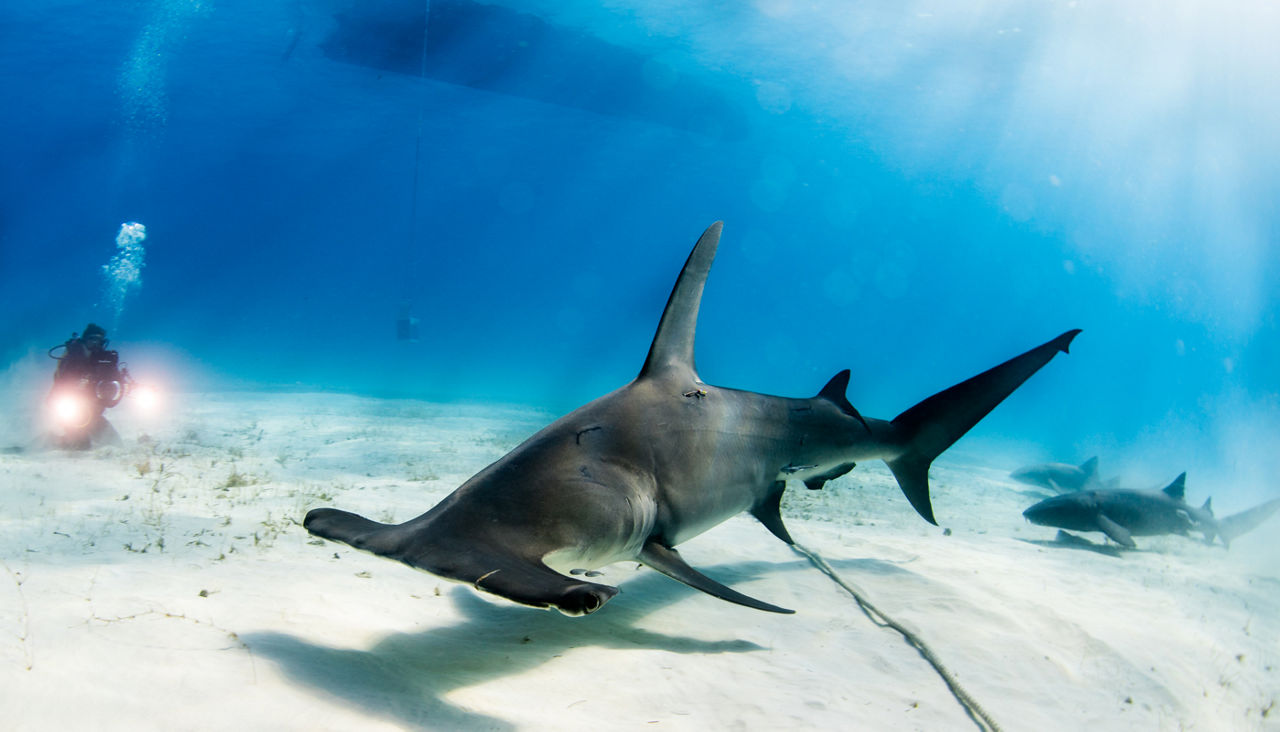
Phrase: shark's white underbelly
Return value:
(592, 552)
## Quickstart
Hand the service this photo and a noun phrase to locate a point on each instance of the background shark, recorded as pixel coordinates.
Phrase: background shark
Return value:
(1124, 514)
(1060, 477)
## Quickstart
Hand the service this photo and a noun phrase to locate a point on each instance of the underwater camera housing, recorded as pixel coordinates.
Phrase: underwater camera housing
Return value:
(75, 404)
(84, 390)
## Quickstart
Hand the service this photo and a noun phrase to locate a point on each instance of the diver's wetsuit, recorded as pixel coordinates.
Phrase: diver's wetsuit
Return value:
(93, 373)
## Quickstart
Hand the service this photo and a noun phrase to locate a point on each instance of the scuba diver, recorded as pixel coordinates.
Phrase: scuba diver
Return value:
(88, 381)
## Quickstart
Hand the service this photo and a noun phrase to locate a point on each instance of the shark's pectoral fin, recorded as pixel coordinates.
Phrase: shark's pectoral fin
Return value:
(1118, 533)
(667, 561)
(769, 511)
(1057, 488)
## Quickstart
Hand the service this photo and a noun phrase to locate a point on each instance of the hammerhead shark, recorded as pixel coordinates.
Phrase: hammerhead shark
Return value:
(1124, 514)
(666, 457)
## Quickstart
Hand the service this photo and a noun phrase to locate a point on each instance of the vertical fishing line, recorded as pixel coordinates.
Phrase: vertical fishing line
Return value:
(971, 706)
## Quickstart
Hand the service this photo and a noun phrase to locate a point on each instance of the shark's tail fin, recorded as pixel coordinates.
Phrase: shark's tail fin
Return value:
(933, 425)
(1239, 524)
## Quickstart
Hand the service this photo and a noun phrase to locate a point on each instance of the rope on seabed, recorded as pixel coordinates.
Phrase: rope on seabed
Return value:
(971, 706)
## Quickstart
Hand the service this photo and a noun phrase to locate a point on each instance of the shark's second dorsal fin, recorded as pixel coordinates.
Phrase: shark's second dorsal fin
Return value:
(673, 344)
(1177, 490)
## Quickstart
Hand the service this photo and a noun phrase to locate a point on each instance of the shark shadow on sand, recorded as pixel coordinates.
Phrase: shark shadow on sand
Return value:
(405, 677)
(1065, 540)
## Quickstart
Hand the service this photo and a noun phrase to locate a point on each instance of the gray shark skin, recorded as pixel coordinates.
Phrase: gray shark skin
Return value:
(1124, 514)
(1060, 477)
(638, 471)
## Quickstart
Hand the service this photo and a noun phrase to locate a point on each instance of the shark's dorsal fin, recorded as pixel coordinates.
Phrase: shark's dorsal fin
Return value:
(1208, 506)
(1090, 467)
(672, 346)
(835, 389)
(835, 392)
(1177, 490)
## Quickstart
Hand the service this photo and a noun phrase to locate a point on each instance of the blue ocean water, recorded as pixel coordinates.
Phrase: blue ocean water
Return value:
(910, 191)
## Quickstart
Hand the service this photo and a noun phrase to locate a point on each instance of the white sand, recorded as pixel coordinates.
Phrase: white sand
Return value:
(167, 584)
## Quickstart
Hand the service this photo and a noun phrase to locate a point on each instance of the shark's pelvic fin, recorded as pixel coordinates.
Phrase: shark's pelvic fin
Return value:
(769, 512)
(672, 345)
(934, 424)
(667, 561)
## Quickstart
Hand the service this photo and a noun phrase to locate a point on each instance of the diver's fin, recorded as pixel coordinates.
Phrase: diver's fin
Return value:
(934, 424)
(667, 561)
(1118, 533)
(1177, 490)
(672, 345)
(769, 511)
(818, 481)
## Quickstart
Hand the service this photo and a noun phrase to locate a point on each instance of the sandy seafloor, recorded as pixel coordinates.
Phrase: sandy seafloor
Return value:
(167, 584)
